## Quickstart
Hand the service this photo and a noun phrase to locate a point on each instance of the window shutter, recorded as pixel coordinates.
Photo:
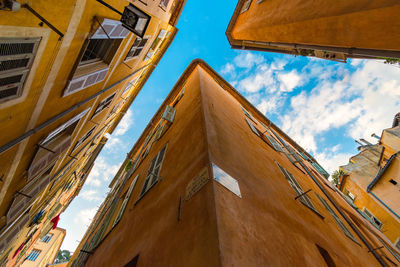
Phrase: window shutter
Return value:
(252, 127)
(43, 158)
(114, 29)
(82, 82)
(126, 199)
(169, 114)
(16, 58)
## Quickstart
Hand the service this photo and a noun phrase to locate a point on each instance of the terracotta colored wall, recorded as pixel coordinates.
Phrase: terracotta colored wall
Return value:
(357, 23)
(150, 228)
(266, 224)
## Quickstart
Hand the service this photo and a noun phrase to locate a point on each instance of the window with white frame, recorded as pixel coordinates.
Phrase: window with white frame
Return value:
(154, 171)
(84, 138)
(16, 58)
(47, 238)
(136, 48)
(125, 202)
(297, 188)
(339, 222)
(375, 221)
(33, 255)
(103, 104)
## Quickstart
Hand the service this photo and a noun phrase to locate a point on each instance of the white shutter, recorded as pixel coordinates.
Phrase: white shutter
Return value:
(43, 158)
(82, 82)
(169, 114)
(114, 29)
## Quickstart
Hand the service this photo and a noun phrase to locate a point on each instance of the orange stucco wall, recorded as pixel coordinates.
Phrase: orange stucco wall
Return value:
(264, 227)
(357, 23)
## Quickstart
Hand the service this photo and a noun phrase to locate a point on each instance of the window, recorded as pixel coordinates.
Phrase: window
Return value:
(320, 170)
(169, 114)
(246, 6)
(16, 58)
(84, 138)
(156, 44)
(377, 223)
(325, 254)
(393, 182)
(69, 126)
(135, 20)
(252, 127)
(133, 262)
(154, 171)
(164, 3)
(398, 243)
(47, 238)
(274, 142)
(33, 255)
(297, 188)
(96, 50)
(125, 202)
(103, 104)
(136, 48)
(339, 222)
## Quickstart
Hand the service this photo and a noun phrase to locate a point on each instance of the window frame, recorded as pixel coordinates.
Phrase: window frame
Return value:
(22, 70)
(304, 198)
(153, 176)
(109, 99)
(139, 46)
(33, 255)
(337, 219)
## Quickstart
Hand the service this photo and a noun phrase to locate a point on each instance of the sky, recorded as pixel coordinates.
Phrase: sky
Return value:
(323, 105)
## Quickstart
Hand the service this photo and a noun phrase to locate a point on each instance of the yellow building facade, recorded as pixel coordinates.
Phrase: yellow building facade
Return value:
(371, 183)
(212, 182)
(68, 74)
(333, 30)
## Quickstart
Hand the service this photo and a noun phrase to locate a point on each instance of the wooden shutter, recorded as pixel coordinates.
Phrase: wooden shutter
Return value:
(44, 158)
(125, 202)
(169, 114)
(114, 29)
(79, 83)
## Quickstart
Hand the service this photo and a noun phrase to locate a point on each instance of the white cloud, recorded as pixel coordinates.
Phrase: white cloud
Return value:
(124, 124)
(102, 171)
(90, 195)
(289, 81)
(228, 68)
(331, 160)
(248, 60)
(364, 101)
(85, 216)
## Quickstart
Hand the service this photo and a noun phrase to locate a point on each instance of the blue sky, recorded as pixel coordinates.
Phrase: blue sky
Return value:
(323, 105)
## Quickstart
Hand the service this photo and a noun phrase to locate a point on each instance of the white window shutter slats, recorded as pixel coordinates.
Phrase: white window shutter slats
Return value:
(114, 29)
(169, 114)
(44, 158)
(82, 82)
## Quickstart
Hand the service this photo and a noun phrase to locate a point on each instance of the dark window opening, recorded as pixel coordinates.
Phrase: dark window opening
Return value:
(393, 182)
(325, 254)
(133, 262)
(96, 50)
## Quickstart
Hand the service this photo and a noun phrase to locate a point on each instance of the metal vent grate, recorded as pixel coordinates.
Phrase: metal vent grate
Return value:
(14, 64)
(8, 92)
(7, 49)
(10, 79)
